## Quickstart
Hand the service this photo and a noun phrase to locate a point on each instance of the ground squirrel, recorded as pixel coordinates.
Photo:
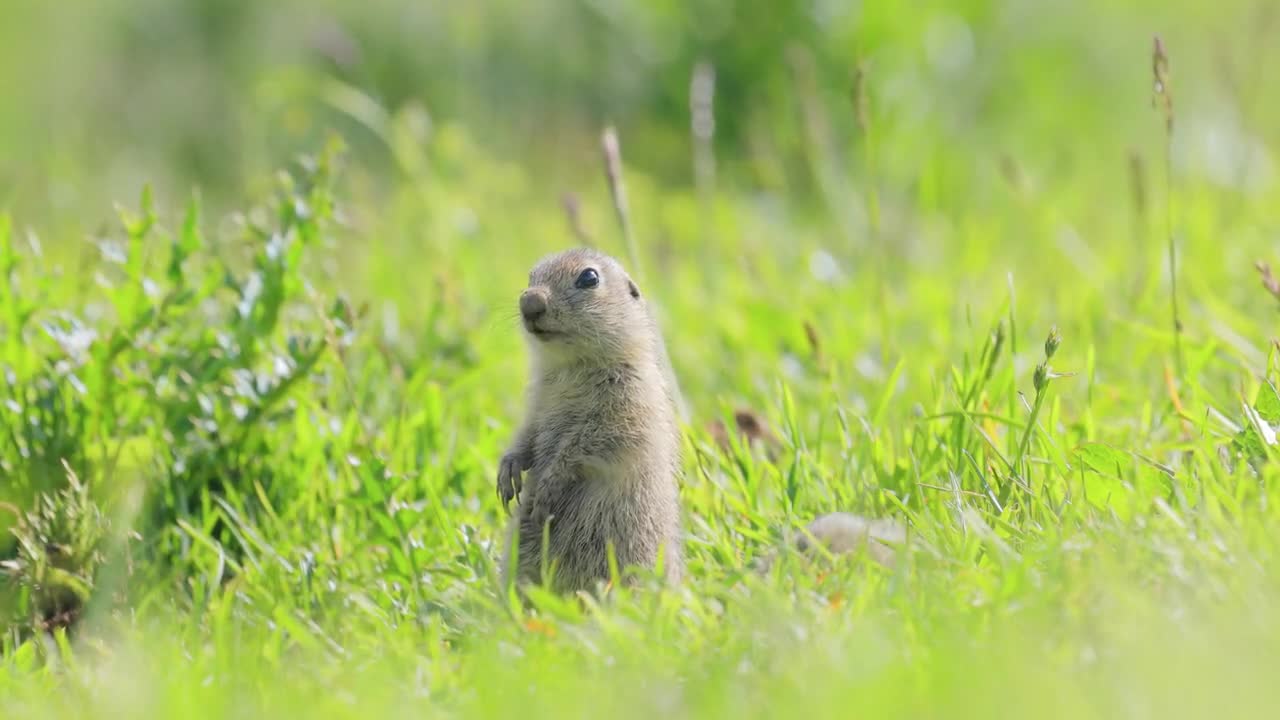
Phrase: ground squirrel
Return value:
(600, 441)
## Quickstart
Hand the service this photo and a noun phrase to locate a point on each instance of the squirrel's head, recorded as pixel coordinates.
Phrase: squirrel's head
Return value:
(581, 304)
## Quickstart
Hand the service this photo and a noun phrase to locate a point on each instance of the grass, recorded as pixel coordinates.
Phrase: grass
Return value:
(249, 457)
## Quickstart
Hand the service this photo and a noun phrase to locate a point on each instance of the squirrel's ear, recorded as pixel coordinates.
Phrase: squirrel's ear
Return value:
(635, 291)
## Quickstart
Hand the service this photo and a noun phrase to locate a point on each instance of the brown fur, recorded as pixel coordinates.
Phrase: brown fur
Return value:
(600, 441)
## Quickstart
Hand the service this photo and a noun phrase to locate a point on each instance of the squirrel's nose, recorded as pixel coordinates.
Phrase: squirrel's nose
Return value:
(533, 304)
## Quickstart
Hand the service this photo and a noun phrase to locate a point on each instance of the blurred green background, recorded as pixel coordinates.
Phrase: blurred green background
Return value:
(100, 97)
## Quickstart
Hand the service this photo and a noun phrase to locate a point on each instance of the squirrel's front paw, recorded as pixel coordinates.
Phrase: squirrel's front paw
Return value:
(510, 468)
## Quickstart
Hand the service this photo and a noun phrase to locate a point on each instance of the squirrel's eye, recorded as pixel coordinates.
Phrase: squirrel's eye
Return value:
(588, 279)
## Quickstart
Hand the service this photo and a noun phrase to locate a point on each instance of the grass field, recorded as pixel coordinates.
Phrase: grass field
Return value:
(251, 418)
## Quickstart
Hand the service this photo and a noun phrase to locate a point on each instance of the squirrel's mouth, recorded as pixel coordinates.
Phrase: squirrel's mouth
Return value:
(542, 334)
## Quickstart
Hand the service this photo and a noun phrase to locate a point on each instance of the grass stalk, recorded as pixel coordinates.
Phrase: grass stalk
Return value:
(871, 199)
(618, 192)
(1041, 379)
(1162, 98)
(702, 128)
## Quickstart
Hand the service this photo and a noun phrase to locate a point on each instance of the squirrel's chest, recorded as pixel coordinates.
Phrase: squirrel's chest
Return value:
(602, 416)
(585, 488)
(597, 449)
(593, 451)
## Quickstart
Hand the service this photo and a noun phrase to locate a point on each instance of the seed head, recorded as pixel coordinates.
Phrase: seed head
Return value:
(573, 212)
(1269, 281)
(702, 88)
(1161, 93)
(861, 103)
(701, 93)
(811, 334)
(1052, 342)
(1040, 380)
(613, 172)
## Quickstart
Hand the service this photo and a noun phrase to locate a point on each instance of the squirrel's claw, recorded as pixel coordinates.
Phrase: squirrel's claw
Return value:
(509, 480)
